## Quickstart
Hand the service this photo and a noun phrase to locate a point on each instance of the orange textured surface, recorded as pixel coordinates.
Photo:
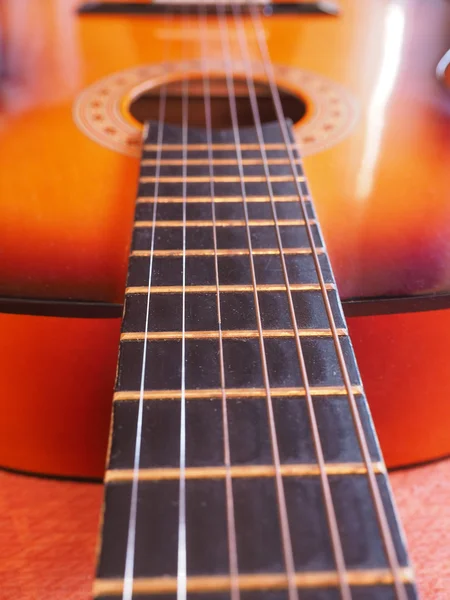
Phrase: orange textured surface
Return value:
(48, 533)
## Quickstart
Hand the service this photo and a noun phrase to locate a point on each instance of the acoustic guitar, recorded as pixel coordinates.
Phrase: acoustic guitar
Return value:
(161, 250)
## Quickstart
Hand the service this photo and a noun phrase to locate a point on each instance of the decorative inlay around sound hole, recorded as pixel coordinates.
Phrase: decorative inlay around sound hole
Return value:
(101, 111)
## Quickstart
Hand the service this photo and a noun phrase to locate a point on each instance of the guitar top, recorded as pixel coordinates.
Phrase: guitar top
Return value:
(374, 133)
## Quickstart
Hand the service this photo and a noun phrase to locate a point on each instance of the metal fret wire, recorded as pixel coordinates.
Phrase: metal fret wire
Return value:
(330, 512)
(373, 484)
(284, 525)
(127, 593)
(231, 524)
(181, 562)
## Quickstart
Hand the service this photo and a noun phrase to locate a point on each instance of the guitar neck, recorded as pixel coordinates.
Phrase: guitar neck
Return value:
(243, 460)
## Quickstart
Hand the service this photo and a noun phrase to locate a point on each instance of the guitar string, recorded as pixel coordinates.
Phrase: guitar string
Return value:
(329, 506)
(181, 559)
(132, 523)
(284, 525)
(127, 593)
(373, 483)
(231, 524)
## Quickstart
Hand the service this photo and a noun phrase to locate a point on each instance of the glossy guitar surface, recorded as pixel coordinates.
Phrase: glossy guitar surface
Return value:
(375, 136)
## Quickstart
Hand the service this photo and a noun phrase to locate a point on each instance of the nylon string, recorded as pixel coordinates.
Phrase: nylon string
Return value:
(373, 484)
(330, 512)
(127, 593)
(284, 525)
(287, 547)
(181, 560)
(231, 524)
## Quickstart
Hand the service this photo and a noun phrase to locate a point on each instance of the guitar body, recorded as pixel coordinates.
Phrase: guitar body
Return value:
(377, 164)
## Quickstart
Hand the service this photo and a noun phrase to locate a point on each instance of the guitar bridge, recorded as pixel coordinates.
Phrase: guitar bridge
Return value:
(158, 7)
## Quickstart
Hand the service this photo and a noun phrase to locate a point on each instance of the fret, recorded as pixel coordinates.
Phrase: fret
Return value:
(168, 153)
(222, 141)
(229, 173)
(222, 173)
(222, 223)
(204, 394)
(232, 334)
(237, 308)
(255, 146)
(156, 536)
(223, 211)
(225, 188)
(247, 414)
(217, 199)
(169, 238)
(243, 472)
(325, 593)
(242, 363)
(228, 252)
(223, 367)
(195, 289)
(234, 268)
(212, 585)
(172, 162)
(223, 179)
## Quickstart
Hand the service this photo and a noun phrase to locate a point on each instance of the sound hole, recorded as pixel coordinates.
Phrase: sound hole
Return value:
(145, 107)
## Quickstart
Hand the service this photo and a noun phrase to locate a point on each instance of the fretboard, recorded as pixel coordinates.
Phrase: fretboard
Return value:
(256, 473)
